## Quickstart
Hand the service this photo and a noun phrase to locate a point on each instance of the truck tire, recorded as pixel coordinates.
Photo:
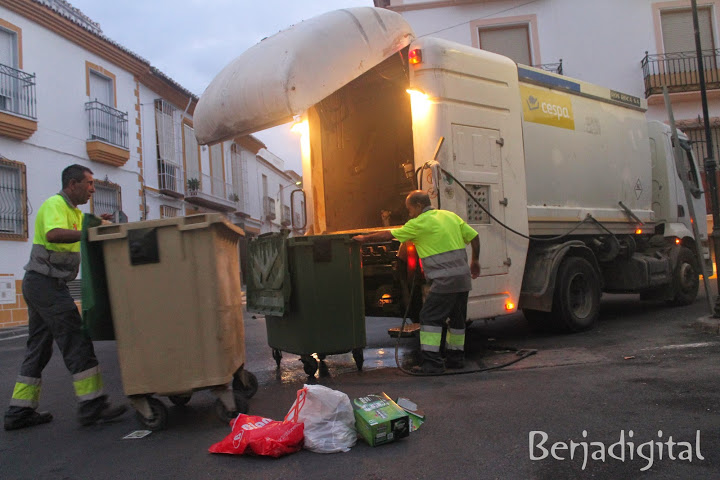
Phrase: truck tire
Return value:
(685, 278)
(576, 303)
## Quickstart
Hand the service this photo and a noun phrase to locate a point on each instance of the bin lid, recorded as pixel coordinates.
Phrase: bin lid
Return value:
(116, 231)
(285, 74)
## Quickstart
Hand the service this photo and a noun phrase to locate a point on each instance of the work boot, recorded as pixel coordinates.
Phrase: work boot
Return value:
(29, 420)
(99, 410)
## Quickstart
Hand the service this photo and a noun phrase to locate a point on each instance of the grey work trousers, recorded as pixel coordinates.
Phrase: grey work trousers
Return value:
(438, 308)
(53, 315)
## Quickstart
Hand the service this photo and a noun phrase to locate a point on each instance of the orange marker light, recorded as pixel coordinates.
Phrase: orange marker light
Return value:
(677, 241)
(509, 306)
(638, 231)
(415, 56)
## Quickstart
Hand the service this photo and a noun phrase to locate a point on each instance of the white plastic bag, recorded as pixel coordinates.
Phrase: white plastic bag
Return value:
(328, 417)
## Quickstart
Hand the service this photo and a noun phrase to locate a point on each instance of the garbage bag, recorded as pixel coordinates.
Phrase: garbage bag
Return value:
(328, 418)
(261, 436)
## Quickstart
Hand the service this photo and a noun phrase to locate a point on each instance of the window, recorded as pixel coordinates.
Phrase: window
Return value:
(217, 171)
(513, 41)
(192, 154)
(101, 88)
(169, 170)
(237, 167)
(677, 30)
(9, 47)
(107, 198)
(13, 201)
(166, 211)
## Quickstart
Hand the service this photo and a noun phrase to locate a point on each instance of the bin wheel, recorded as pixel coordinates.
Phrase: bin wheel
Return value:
(180, 400)
(359, 357)
(277, 355)
(245, 382)
(310, 365)
(159, 418)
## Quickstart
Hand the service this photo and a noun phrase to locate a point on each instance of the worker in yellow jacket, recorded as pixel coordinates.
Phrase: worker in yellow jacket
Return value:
(440, 237)
(54, 261)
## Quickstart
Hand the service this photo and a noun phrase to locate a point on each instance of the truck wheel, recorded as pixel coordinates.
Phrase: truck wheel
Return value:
(685, 279)
(576, 303)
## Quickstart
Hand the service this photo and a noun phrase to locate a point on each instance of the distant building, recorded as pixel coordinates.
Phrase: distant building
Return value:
(68, 94)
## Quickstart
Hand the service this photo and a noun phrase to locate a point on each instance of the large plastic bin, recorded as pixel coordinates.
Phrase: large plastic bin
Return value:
(175, 295)
(311, 291)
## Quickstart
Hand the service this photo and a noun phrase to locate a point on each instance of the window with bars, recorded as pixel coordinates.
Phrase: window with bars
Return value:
(169, 169)
(166, 211)
(107, 198)
(13, 201)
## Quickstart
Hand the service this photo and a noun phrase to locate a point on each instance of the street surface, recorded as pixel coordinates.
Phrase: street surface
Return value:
(644, 368)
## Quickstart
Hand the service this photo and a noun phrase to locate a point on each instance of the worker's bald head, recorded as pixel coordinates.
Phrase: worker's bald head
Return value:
(416, 202)
(418, 198)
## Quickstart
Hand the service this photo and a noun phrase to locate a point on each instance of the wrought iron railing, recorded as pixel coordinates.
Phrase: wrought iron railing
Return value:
(107, 124)
(209, 185)
(551, 67)
(170, 176)
(17, 92)
(679, 71)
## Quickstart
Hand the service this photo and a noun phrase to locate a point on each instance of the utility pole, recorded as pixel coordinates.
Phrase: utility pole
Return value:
(710, 166)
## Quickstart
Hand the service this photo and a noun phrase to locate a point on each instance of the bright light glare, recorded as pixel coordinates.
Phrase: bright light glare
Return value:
(420, 103)
(509, 306)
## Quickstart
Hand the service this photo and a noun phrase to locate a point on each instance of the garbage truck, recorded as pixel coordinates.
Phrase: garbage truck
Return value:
(572, 191)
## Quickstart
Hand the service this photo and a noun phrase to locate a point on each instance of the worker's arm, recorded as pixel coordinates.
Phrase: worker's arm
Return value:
(475, 260)
(383, 236)
(63, 235)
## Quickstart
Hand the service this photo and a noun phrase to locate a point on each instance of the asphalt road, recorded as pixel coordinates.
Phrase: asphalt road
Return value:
(644, 369)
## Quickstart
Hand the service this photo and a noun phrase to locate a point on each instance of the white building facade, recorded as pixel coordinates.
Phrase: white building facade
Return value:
(70, 95)
(633, 47)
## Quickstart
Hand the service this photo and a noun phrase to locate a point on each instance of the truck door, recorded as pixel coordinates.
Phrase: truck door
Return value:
(478, 165)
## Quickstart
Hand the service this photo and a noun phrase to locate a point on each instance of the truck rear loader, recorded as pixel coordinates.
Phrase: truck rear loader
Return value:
(571, 190)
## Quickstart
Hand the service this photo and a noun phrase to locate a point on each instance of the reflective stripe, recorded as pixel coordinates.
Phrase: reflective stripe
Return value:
(26, 392)
(430, 340)
(455, 339)
(88, 384)
(446, 264)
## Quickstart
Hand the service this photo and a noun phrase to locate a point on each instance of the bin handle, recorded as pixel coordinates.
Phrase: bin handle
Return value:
(195, 222)
(107, 232)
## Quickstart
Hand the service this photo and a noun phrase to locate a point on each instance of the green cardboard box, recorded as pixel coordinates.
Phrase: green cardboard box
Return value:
(380, 420)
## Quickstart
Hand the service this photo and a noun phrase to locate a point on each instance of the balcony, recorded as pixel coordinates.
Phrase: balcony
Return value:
(269, 208)
(551, 67)
(210, 192)
(679, 72)
(108, 139)
(170, 178)
(18, 118)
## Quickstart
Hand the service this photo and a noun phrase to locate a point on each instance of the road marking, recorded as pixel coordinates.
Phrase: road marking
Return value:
(684, 345)
(12, 338)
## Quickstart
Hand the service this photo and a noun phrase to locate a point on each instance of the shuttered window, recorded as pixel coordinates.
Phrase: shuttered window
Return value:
(216, 170)
(13, 200)
(511, 41)
(166, 211)
(678, 32)
(192, 159)
(169, 169)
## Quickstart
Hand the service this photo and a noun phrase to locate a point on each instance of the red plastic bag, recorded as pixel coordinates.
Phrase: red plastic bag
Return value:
(261, 436)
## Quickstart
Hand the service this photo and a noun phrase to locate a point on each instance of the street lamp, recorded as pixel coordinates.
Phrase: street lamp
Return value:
(710, 159)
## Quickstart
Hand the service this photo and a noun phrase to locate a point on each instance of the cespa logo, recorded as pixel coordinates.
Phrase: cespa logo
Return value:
(547, 107)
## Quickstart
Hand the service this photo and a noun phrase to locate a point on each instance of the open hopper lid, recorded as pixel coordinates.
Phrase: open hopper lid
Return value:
(284, 75)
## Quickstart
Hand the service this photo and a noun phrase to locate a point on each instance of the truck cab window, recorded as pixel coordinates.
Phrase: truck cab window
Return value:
(692, 173)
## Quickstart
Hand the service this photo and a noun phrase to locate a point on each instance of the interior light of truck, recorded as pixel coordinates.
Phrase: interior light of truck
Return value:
(509, 306)
(638, 231)
(415, 56)
(420, 103)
